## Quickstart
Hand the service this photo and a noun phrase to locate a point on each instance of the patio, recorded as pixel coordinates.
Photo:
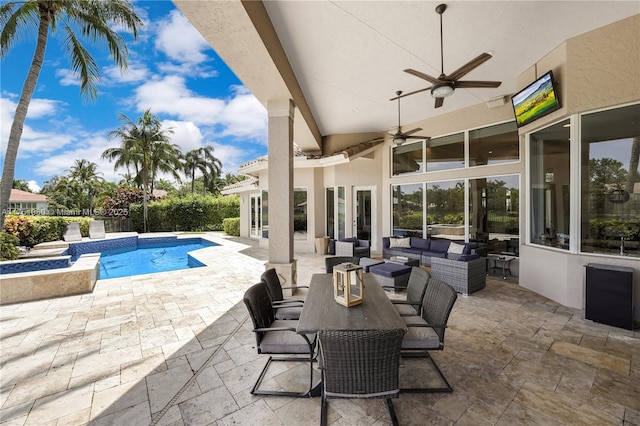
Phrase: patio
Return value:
(177, 348)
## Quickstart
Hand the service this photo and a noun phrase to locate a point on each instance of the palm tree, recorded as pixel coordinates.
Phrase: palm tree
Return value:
(165, 158)
(85, 174)
(93, 19)
(142, 139)
(202, 160)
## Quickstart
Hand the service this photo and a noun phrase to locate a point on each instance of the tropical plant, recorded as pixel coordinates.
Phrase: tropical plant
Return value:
(92, 20)
(202, 160)
(148, 144)
(8, 249)
(84, 173)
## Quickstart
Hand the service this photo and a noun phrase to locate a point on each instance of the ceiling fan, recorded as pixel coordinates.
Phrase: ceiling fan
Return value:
(400, 137)
(445, 85)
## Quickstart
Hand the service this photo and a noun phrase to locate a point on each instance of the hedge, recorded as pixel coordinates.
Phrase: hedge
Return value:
(192, 213)
(8, 249)
(33, 230)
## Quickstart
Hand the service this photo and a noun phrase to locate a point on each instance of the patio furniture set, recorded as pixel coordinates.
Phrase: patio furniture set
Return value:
(358, 349)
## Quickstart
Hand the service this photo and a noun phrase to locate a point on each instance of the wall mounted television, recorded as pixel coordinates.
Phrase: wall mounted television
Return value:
(536, 100)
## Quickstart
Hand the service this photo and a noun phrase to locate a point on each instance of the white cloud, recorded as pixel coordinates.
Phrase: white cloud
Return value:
(185, 134)
(67, 77)
(33, 186)
(134, 73)
(179, 40)
(89, 147)
(32, 141)
(230, 156)
(242, 116)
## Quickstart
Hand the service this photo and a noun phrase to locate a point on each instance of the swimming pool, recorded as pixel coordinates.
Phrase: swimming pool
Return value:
(151, 258)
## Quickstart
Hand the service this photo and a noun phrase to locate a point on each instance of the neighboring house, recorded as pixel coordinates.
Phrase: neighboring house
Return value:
(23, 202)
(479, 176)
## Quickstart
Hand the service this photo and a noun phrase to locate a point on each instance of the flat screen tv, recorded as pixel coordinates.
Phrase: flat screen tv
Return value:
(536, 100)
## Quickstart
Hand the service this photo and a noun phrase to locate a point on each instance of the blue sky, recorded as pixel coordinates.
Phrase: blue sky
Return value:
(172, 70)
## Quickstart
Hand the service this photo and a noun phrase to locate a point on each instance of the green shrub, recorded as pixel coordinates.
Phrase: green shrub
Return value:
(410, 221)
(33, 230)
(232, 226)
(191, 213)
(8, 249)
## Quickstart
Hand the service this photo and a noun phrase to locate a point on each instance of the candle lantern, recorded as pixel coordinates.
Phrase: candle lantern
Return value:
(347, 284)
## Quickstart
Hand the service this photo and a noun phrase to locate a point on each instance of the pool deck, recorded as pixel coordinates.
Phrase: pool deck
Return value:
(176, 348)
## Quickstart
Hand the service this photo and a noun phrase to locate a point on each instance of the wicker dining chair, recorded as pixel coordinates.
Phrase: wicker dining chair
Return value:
(416, 289)
(277, 337)
(426, 331)
(330, 262)
(360, 364)
(285, 308)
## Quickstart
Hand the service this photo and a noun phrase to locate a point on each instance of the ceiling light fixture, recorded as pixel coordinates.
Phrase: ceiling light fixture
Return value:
(442, 89)
(399, 139)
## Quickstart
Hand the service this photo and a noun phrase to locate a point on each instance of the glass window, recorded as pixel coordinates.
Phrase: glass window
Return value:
(445, 153)
(550, 172)
(408, 158)
(445, 210)
(265, 214)
(494, 213)
(407, 210)
(610, 219)
(494, 145)
(299, 214)
(330, 231)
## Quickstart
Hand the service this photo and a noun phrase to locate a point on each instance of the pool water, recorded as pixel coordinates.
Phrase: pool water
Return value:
(159, 258)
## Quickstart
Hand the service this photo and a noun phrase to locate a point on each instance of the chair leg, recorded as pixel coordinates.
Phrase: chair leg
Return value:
(323, 410)
(392, 412)
(425, 354)
(306, 393)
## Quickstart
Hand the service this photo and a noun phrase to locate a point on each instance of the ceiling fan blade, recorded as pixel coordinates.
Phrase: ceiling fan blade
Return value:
(439, 102)
(422, 75)
(467, 84)
(466, 68)
(411, 93)
(418, 137)
(412, 131)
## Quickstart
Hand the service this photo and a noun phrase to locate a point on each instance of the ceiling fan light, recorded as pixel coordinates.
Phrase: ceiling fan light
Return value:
(399, 139)
(442, 89)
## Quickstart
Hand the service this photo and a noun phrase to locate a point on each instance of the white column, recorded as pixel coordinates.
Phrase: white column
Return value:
(280, 199)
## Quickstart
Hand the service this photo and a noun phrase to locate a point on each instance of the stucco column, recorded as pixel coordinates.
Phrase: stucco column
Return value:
(280, 156)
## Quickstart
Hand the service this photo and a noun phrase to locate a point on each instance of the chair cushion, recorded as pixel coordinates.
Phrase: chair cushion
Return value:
(288, 313)
(367, 262)
(285, 342)
(420, 243)
(439, 246)
(390, 269)
(419, 337)
(405, 310)
(353, 240)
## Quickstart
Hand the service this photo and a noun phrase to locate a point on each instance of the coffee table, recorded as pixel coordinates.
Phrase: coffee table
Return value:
(407, 261)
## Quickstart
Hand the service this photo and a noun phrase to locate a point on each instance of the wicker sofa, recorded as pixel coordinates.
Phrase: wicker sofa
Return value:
(424, 250)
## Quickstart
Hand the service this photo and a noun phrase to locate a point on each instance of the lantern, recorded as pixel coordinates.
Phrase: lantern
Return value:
(347, 284)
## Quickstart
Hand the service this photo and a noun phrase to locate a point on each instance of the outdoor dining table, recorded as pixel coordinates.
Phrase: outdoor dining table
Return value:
(322, 312)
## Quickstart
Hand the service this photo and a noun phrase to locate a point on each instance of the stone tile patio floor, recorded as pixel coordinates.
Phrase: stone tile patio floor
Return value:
(177, 349)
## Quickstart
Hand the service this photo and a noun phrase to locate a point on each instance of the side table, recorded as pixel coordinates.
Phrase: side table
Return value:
(500, 261)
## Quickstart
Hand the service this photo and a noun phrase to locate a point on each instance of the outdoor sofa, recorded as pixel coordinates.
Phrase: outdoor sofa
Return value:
(424, 249)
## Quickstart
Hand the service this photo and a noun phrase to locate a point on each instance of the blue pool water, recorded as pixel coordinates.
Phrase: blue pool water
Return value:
(161, 257)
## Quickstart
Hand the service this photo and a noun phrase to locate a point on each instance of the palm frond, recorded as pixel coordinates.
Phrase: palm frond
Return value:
(17, 19)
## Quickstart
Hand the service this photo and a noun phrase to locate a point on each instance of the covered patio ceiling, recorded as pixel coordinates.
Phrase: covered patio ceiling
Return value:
(341, 61)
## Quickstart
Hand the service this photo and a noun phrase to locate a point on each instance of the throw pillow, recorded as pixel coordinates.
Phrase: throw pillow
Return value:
(455, 248)
(400, 242)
